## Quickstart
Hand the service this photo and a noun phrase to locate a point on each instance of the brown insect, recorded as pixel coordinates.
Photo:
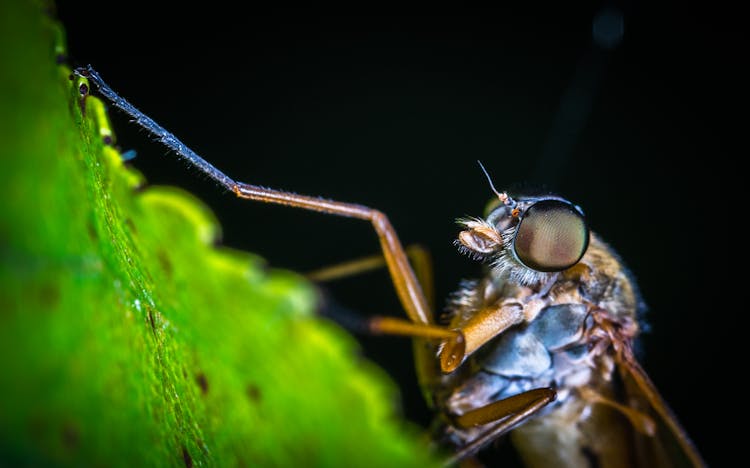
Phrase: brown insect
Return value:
(541, 345)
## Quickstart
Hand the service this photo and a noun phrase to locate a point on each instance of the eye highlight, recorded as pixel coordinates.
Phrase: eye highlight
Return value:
(552, 236)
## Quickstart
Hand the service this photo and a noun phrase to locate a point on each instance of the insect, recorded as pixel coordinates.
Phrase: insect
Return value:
(541, 345)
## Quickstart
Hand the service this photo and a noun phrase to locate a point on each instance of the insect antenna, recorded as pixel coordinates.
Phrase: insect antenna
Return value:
(506, 199)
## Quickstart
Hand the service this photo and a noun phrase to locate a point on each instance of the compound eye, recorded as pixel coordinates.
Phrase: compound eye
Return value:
(552, 236)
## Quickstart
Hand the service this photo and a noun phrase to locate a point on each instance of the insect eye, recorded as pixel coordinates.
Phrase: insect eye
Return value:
(552, 236)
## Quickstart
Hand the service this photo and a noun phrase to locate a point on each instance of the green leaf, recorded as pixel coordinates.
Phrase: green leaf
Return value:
(126, 337)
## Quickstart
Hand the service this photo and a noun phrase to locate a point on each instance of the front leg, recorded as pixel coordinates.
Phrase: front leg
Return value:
(506, 414)
(481, 313)
(404, 280)
(484, 325)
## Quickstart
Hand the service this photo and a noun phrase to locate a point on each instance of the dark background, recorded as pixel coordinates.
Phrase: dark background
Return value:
(393, 111)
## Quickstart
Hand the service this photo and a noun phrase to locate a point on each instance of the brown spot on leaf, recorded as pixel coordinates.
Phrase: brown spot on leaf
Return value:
(49, 295)
(151, 321)
(131, 225)
(186, 458)
(91, 230)
(253, 392)
(202, 382)
(70, 436)
(164, 262)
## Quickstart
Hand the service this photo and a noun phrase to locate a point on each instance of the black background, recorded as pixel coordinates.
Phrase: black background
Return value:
(393, 111)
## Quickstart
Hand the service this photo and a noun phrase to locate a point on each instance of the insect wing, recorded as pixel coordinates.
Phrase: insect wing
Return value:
(670, 445)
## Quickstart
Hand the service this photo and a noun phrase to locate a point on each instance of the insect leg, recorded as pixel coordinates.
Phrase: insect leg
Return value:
(483, 326)
(460, 343)
(508, 413)
(419, 257)
(407, 287)
(142, 120)
(424, 348)
(402, 275)
(421, 261)
(348, 268)
(641, 422)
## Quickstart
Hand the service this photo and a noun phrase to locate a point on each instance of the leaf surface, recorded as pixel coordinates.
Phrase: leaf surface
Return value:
(127, 338)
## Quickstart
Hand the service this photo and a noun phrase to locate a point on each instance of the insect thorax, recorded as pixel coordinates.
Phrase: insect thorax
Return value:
(557, 348)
